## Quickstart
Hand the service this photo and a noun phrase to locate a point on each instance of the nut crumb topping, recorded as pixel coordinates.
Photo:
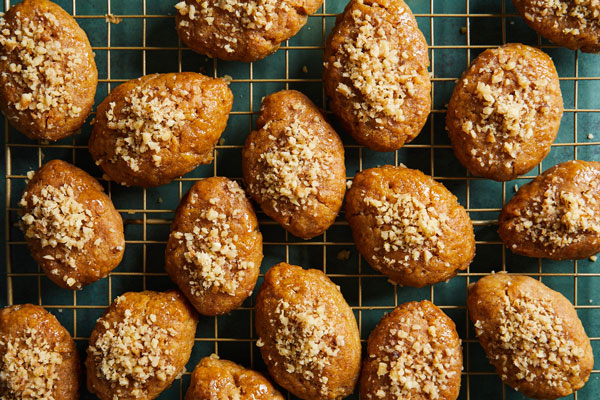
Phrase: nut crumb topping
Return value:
(294, 167)
(212, 253)
(28, 367)
(380, 77)
(146, 123)
(56, 218)
(406, 224)
(305, 337)
(532, 339)
(579, 15)
(132, 351)
(45, 68)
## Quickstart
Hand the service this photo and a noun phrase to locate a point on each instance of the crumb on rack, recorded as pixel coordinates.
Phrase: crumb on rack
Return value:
(112, 19)
(343, 254)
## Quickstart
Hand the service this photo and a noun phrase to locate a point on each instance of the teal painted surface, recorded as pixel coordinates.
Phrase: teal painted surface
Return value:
(146, 213)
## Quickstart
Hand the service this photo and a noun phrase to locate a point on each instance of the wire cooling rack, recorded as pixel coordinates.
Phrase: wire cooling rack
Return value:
(136, 37)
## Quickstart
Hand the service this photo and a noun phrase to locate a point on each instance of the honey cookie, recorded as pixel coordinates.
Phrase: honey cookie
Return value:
(154, 129)
(293, 165)
(413, 353)
(140, 345)
(241, 30)
(375, 73)
(505, 112)
(38, 356)
(215, 248)
(408, 226)
(222, 380)
(531, 335)
(572, 24)
(557, 215)
(71, 226)
(48, 75)
(308, 336)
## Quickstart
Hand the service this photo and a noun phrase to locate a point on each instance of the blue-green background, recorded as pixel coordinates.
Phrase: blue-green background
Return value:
(145, 44)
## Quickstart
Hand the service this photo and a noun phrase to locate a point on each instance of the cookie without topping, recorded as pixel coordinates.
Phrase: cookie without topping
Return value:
(48, 75)
(71, 226)
(531, 335)
(156, 128)
(293, 165)
(241, 30)
(557, 215)
(215, 248)
(408, 226)
(308, 336)
(573, 24)
(222, 380)
(140, 345)
(413, 353)
(505, 112)
(38, 356)
(375, 73)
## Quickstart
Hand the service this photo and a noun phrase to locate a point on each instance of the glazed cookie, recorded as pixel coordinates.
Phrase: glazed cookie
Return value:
(38, 357)
(375, 73)
(71, 226)
(140, 345)
(307, 333)
(153, 129)
(216, 379)
(573, 24)
(531, 334)
(48, 75)
(557, 215)
(413, 353)
(408, 226)
(293, 165)
(215, 248)
(505, 112)
(241, 30)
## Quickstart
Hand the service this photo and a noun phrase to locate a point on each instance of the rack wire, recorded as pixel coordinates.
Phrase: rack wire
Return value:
(135, 37)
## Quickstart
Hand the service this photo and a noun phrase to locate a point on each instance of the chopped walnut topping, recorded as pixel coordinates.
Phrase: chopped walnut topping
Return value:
(130, 352)
(146, 122)
(212, 253)
(581, 15)
(56, 218)
(45, 69)
(294, 167)
(381, 79)
(305, 337)
(406, 224)
(557, 219)
(245, 15)
(28, 367)
(415, 365)
(531, 337)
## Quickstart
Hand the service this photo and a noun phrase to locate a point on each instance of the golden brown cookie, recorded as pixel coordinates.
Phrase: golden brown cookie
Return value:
(241, 30)
(505, 112)
(71, 226)
(48, 75)
(557, 215)
(573, 24)
(38, 357)
(408, 226)
(215, 248)
(215, 379)
(293, 165)
(154, 129)
(307, 333)
(375, 73)
(413, 353)
(531, 335)
(140, 345)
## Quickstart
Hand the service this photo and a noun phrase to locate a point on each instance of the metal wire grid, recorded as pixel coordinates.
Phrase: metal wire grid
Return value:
(367, 291)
